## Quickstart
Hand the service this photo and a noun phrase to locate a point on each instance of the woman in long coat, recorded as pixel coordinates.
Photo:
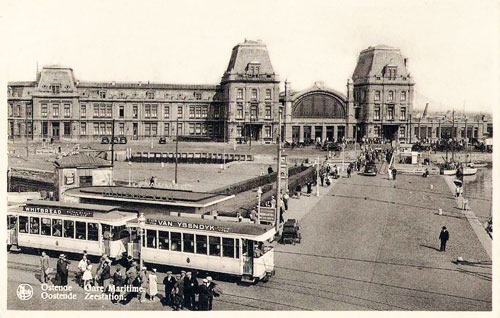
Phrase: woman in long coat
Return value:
(153, 285)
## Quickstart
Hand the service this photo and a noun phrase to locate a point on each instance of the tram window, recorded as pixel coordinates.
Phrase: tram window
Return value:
(93, 232)
(237, 249)
(119, 232)
(201, 244)
(23, 224)
(46, 226)
(176, 241)
(228, 247)
(188, 242)
(163, 240)
(107, 231)
(81, 230)
(11, 222)
(57, 227)
(214, 245)
(151, 238)
(34, 225)
(69, 229)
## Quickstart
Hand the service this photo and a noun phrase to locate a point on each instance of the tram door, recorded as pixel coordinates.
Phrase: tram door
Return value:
(247, 257)
(106, 235)
(12, 229)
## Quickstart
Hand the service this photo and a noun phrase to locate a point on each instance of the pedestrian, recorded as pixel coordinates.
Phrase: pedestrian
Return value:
(270, 169)
(458, 191)
(176, 295)
(98, 280)
(118, 282)
(44, 267)
(62, 271)
(82, 266)
(153, 285)
(273, 201)
(169, 283)
(131, 273)
(152, 181)
(106, 274)
(349, 171)
(309, 187)
(180, 284)
(143, 279)
(444, 236)
(87, 276)
(187, 290)
(204, 295)
(394, 173)
(214, 291)
(322, 177)
(286, 197)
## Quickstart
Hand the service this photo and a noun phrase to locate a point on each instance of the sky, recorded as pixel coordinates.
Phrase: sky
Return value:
(451, 45)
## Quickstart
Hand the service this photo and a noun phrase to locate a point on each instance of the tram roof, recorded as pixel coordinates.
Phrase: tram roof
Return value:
(76, 206)
(150, 196)
(212, 225)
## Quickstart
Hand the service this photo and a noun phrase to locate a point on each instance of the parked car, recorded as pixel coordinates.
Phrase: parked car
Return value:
(123, 140)
(162, 140)
(370, 169)
(105, 140)
(116, 140)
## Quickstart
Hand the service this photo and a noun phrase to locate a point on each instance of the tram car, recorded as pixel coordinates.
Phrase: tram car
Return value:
(206, 243)
(69, 227)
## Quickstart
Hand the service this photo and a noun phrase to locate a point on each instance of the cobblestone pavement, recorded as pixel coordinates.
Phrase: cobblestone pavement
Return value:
(367, 244)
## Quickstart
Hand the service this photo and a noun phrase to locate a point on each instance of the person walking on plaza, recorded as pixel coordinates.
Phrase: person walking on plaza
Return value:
(143, 278)
(98, 280)
(44, 267)
(169, 283)
(444, 236)
(204, 295)
(214, 291)
(322, 178)
(153, 285)
(394, 174)
(62, 271)
(106, 274)
(176, 295)
(118, 282)
(349, 171)
(82, 266)
(87, 276)
(286, 197)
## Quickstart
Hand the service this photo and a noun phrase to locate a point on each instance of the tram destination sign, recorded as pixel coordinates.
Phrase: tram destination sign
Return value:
(187, 225)
(59, 211)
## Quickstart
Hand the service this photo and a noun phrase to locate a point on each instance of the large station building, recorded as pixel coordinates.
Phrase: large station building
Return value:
(245, 105)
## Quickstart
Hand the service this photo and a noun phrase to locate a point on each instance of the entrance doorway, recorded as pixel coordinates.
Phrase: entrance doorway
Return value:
(329, 133)
(247, 257)
(134, 131)
(390, 132)
(55, 130)
(340, 133)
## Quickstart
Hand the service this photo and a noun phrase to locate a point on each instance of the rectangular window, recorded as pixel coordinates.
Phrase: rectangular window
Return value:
(268, 111)
(18, 111)
(150, 95)
(109, 128)
(198, 129)
(214, 246)
(176, 241)
(198, 112)
(216, 112)
(268, 132)
(69, 229)
(11, 110)
(201, 244)
(56, 89)
(121, 129)
(29, 110)
(166, 131)
(192, 112)
(254, 93)
(204, 111)
(23, 224)
(34, 225)
(55, 110)
(151, 129)
(402, 132)
(403, 96)
(179, 111)
(179, 129)
(151, 238)
(46, 226)
(238, 131)
(96, 128)
(44, 110)
(154, 111)
(188, 240)
(57, 227)
(81, 230)
(83, 111)
(163, 240)
(67, 129)
(390, 113)
(390, 96)
(239, 94)
(268, 94)
(377, 95)
(237, 248)
(403, 114)
(228, 247)
(239, 111)
(83, 129)
(67, 110)
(109, 111)
(135, 111)
(93, 232)
(121, 111)
(102, 94)
(191, 129)
(254, 112)
(376, 130)
(166, 113)
(376, 113)
(197, 96)
(96, 110)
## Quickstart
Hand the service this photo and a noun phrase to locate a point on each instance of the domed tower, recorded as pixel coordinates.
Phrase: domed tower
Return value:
(250, 91)
(383, 92)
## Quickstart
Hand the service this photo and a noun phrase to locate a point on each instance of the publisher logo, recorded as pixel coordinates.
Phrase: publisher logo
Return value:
(24, 291)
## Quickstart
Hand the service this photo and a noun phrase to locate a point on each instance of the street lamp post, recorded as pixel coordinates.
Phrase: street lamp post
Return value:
(129, 174)
(142, 222)
(259, 198)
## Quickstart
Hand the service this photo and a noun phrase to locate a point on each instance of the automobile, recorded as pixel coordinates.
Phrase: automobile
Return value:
(116, 140)
(105, 140)
(370, 169)
(162, 140)
(332, 146)
(123, 140)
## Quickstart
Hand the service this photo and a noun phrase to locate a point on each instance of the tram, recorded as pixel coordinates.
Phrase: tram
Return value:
(69, 227)
(205, 243)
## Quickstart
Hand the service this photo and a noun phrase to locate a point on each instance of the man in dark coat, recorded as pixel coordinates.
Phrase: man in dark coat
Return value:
(204, 295)
(213, 291)
(169, 282)
(444, 237)
(270, 169)
(188, 290)
(106, 274)
(62, 270)
(118, 282)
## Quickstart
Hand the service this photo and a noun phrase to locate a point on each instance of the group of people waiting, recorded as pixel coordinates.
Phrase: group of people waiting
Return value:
(125, 284)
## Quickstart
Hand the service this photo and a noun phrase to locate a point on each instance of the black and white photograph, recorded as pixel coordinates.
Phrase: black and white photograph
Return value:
(241, 156)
